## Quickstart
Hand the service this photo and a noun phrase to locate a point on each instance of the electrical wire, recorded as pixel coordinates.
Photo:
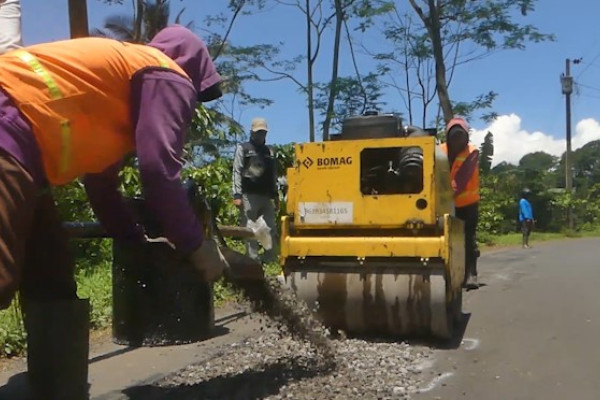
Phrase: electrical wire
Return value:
(587, 65)
(583, 85)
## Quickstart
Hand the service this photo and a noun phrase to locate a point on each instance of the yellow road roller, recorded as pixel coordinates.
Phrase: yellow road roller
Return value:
(369, 240)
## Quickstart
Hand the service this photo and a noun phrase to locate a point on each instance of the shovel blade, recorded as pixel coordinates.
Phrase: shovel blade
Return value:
(242, 267)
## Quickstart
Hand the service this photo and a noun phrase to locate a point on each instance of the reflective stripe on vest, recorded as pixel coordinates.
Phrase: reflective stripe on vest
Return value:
(55, 94)
(162, 61)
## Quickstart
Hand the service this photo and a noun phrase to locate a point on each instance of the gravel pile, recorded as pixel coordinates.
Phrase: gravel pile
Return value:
(271, 367)
(294, 358)
(287, 314)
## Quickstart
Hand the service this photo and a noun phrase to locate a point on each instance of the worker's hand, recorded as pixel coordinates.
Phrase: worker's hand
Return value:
(209, 261)
(454, 186)
(238, 203)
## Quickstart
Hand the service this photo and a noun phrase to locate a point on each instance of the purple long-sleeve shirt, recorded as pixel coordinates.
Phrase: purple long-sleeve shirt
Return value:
(162, 106)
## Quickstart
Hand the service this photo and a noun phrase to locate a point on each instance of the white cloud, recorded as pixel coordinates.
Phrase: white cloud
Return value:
(511, 142)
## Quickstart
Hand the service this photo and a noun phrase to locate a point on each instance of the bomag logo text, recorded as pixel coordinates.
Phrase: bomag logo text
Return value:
(333, 162)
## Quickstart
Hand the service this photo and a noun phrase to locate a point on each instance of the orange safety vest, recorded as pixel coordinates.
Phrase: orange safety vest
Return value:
(76, 96)
(470, 194)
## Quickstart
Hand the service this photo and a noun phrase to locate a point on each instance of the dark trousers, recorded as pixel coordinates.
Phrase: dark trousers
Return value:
(34, 255)
(526, 227)
(470, 215)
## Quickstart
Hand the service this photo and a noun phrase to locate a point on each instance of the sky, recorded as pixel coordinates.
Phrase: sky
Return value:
(530, 104)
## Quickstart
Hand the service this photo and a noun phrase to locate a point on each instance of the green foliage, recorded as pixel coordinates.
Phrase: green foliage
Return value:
(93, 277)
(453, 33)
(486, 153)
(538, 161)
(13, 340)
(94, 282)
(216, 178)
(285, 157)
(354, 97)
(482, 103)
(147, 20)
(492, 24)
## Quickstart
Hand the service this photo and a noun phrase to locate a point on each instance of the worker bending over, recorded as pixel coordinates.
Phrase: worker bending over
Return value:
(76, 108)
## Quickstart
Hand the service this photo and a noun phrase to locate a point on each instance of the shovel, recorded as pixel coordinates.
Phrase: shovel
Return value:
(241, 267)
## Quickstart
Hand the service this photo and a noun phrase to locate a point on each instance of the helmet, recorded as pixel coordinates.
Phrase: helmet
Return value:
(460, 121)
(525, 192)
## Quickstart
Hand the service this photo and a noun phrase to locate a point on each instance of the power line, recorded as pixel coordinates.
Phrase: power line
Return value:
(583, 85)
(589, 96)
(587, 65)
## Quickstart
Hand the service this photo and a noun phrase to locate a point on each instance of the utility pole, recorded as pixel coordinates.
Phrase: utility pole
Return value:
(567, 90)
(78, 18)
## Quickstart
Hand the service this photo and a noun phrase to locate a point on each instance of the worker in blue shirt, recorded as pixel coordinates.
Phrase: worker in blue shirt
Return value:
(525, 216)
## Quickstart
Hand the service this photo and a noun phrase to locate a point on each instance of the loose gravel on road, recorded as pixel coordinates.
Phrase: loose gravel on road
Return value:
(304, 365)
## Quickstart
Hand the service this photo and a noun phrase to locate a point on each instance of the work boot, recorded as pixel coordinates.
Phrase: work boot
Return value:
(472, 282)
(209, 261)
(58, 349)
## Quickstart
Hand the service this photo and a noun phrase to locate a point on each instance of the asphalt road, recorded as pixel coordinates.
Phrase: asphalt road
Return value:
(533, 330)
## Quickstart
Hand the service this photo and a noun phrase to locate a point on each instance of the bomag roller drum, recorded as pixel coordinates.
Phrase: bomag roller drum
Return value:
(369, 239)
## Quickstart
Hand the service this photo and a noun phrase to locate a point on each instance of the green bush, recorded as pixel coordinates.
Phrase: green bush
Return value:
(12, 332)
(95, 283)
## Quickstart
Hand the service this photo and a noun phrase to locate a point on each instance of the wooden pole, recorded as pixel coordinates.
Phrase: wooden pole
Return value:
(78, 18)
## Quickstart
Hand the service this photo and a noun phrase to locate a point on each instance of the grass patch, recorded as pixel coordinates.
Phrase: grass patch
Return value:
(94, 283)
(12, 332)
(515, 239)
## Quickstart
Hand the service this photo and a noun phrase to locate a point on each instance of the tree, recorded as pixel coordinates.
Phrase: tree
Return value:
(410, 52)
(538, 161)
(148, 18)
(316, 23)
(319, 16)
(239, 65)
(486, 153)
(483, 26)
(353, 97)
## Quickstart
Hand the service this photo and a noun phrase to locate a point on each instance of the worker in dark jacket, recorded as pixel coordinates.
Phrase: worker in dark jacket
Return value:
(255, 189)
(464, 174)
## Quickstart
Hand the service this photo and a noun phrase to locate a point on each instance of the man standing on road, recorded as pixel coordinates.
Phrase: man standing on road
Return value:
(255, 185)
(526, 216)
(464, 173)
(10, 25)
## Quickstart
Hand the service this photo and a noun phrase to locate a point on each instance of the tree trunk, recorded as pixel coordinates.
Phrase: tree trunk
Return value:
(78, 18)
(407, 79)
(138, 21)
(339, 19)
(309, 69)
(440, 65)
